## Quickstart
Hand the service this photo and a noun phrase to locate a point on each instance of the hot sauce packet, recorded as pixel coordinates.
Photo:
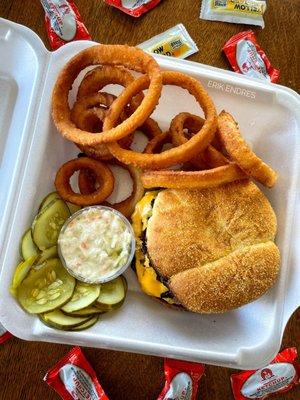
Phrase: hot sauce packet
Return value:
(175, 42)
(182, 380)
(247, 57)
(63, 22)
(73, 378)
(281, 375)
(4, 334)
(248, 12)
(135, 8)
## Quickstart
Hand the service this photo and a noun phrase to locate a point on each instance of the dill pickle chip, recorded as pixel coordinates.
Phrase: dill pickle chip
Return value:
(84, 295)
(48, 223)
(48, 288)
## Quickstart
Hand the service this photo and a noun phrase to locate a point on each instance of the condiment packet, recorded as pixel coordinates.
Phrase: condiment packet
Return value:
(135, 8)
(247, 57)
(281, 375)
(182, 380)
(248, 12)
(175, 42)
(73, 378)
(63, 22)
(4, 334)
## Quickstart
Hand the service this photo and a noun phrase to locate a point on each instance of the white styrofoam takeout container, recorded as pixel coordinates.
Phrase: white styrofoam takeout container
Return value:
(31, 151)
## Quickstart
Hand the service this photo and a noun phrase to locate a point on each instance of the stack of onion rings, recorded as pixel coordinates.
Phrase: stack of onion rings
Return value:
(102, 126)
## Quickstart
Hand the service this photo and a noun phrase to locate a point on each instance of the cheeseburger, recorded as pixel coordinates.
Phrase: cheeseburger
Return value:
(206, 251)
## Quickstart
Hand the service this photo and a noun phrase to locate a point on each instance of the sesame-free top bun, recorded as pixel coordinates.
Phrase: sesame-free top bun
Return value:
(214, 246)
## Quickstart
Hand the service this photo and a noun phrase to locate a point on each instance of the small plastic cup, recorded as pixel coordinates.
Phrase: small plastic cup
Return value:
(119, 270)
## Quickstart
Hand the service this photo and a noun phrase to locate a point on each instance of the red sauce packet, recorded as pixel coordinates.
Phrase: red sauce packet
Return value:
(4, 334)
(135, 8)
(247, 57)
(281, 375)
(63, 22)
(73, 378)
(182, 380)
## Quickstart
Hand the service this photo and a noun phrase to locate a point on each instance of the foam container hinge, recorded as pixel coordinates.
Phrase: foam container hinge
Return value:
(31, 152)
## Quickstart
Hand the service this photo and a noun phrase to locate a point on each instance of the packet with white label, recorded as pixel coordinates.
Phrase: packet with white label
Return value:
(248, 12)
(248, 58)
(175, 42)
(135, 8)
(182, 380)
(4, 334)
(281, 375)
(63, 22)
(73, 378)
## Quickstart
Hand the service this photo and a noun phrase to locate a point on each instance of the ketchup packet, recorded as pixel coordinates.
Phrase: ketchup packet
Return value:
(73, 378)
(63, 22)
(4, 334)
(135, 8)
(182, 380)
(281, 375)
(247, 57)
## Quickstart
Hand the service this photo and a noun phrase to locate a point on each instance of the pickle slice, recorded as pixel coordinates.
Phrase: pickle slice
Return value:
(112, 294)
(87, 311)
(86, 325)
(59, 320)
(48, 288)
(20, 274)
(28, 247)
(84, 295)
(48, 199)
(73, 207)
(48, 223)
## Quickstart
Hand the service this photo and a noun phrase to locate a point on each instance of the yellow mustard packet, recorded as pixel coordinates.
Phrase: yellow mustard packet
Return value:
(175, 42)
(248, 12)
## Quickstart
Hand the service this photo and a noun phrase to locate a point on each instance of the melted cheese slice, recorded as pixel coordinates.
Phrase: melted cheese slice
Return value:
(145, 273)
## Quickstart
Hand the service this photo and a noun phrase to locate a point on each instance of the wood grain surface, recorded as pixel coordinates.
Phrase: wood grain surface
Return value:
(123, 375)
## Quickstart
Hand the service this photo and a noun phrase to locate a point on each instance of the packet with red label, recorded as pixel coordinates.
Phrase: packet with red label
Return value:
(4, 334)
(73, 378)
(182, 380)
(63, 22)
(281, 375)
(247, 57)
(135, 8)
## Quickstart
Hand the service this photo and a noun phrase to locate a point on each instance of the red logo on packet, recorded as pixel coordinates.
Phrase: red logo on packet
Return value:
(63, 22)
(266, 373)
(280, 376)
(73, 378)
(135, 8)
(247, 57)
(182, 380)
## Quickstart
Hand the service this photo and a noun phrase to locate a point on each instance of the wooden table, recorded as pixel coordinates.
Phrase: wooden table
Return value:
(123, 375)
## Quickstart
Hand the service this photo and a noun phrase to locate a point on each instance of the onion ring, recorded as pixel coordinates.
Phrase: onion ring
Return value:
(238, 150)
(155, 145)
(103, 175)
(210, 157)
(175, 155)
(130, 57)
(96, 79)
(86, 183)
(99, 77)
(87, 113)
(192, 179)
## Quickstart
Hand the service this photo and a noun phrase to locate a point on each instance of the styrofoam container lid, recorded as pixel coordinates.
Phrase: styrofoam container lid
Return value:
(31, 151)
